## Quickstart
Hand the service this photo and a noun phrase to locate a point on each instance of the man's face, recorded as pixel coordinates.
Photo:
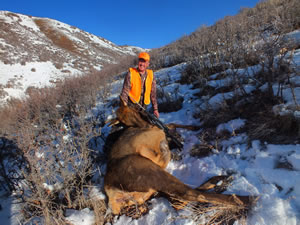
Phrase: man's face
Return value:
(143, 65)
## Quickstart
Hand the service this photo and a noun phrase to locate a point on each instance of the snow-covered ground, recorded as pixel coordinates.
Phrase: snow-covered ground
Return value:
(253, 165)
(17, 78)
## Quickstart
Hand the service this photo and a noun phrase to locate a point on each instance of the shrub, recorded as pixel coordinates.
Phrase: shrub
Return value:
(58, 171)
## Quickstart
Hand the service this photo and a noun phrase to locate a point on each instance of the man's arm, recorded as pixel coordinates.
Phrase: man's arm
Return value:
(126, 88)
(153, 97)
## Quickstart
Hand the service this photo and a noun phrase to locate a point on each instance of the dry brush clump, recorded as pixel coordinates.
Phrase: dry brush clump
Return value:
(168, 102)
(207, 214)
(211, 214)
(261, 123)
(58, 171)
(209, 144)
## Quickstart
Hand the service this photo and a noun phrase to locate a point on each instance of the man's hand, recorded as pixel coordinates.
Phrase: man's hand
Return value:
(156, 113)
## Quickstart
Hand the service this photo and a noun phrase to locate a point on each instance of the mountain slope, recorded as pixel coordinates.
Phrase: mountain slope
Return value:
(35, 51)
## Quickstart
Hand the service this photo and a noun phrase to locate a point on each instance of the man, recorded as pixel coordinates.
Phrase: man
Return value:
(140, 85)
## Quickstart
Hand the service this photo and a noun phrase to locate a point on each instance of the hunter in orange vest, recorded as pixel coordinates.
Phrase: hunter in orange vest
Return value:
(140, 84)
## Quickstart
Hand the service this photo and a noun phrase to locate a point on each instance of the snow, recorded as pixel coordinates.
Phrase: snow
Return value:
(82, 217)
(10, 212)
(231, 125)
(33, 74)
(253, 165)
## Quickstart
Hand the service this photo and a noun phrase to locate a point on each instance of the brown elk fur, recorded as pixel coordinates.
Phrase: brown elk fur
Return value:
(130, 116)
(135, 169)
(147, 142)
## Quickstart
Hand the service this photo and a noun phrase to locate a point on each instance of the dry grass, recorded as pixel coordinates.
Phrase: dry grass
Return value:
(99, 207)
(273, 129)
(208, 144)
(57, 37)
(216, 214)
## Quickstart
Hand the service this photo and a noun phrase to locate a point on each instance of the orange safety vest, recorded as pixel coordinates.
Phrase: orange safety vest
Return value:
(136, 86)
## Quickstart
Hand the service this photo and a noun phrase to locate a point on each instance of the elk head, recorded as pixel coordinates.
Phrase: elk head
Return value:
(129, 116)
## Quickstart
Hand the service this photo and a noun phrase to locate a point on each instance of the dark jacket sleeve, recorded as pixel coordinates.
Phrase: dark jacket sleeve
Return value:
(153, 94)
(126, 88)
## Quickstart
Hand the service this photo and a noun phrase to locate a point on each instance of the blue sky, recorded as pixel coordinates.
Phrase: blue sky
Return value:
(147, 24)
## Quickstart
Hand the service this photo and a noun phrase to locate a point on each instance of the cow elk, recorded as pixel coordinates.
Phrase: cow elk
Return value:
(136, 168)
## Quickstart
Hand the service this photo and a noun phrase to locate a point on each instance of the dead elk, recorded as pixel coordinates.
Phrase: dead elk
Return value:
(135, 169)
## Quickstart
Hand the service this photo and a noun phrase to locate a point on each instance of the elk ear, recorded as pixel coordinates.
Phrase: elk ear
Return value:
(122, 102)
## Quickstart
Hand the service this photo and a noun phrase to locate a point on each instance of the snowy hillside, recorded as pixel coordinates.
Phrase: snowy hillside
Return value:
(40, 51)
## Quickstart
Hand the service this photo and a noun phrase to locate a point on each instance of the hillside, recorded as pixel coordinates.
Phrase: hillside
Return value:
(35, 52)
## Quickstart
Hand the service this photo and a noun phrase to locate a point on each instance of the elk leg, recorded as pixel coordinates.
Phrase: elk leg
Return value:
(208, 185)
